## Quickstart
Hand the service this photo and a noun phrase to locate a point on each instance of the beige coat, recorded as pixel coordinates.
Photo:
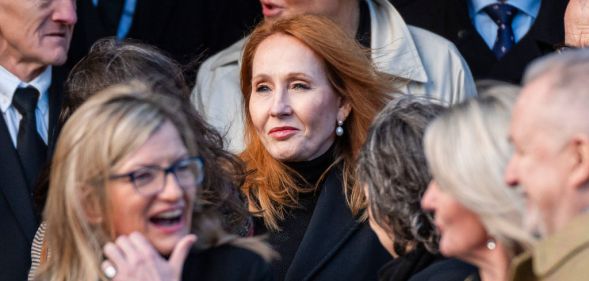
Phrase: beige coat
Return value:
(432, 64)
(563, 256)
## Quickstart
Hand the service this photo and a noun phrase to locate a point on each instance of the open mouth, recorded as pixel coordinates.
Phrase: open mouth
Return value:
(168, 218)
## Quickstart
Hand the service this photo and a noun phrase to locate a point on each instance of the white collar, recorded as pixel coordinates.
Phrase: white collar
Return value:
(9, 82)
(530, 7)
(393, 48)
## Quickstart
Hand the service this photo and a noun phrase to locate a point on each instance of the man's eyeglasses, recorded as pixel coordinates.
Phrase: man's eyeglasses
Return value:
(150, 180)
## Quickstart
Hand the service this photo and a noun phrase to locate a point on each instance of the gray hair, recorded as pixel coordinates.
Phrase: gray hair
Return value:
(569, 94)
(393, 168)
(467, 152)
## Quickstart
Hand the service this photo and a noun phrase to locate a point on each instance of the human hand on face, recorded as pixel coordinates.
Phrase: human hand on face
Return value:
(132, 257)
(576, 24)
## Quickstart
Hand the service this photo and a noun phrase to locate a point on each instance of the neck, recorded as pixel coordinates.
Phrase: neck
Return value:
(493, 264)
(349, 17)
(24, 70)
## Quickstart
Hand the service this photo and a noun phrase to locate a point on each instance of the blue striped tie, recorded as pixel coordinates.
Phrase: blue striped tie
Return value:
(502, 14)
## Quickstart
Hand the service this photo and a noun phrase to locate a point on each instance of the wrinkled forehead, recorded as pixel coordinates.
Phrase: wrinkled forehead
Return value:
(526, 112)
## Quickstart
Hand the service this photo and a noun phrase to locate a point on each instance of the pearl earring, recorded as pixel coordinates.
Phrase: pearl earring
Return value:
(339, 130)
(491, 244)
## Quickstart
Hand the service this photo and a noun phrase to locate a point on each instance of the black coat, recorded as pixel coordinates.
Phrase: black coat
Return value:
(186, 29)
(450, 19)
(420, 265)
(335, 245)
(18, 217)
(225, 263)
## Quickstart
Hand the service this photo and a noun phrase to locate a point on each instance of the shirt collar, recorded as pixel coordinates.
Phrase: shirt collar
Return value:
(9, 82)
(530, 7)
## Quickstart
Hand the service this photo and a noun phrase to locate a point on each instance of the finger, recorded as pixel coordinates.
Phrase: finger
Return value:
(114, 254)
(143, 247)
(128, 249)
(109, 270)
(181, 251)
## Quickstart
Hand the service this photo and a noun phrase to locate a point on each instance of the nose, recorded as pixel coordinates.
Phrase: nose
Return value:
(511, 173)
(280, 104)
(429, 197)
(172, 190)
(65, 12)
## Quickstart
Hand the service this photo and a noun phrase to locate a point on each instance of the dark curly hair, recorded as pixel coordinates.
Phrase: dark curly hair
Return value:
(393, 169)
(111, 62)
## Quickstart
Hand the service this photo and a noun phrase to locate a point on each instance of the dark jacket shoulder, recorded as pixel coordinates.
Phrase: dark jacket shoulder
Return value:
(421, 265)
(445, 270)
(225, 262)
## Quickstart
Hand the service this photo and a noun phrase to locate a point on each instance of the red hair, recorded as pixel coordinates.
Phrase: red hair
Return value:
(270, 187)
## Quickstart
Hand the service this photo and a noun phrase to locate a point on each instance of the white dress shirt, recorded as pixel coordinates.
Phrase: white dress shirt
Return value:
(487, 28)
(8, 85)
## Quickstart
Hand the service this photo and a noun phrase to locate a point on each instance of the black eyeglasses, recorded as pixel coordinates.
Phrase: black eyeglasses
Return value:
(150, 180)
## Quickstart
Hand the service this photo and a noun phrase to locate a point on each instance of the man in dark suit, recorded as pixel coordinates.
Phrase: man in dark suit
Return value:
(34, 35)
(186, 29)
(533, 28)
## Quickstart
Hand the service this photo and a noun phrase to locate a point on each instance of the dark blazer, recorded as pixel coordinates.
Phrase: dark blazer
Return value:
(450, 19)
(18, 217)
(186, 29)
(335, 245)
(420, 265)
(225, 263)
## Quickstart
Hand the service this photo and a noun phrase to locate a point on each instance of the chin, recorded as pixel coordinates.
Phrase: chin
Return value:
(533, 223)
(57, 56)
(165, 246)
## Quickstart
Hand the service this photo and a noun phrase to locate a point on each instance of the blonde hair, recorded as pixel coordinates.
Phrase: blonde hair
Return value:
(99, 135)
(467, 151)
(351, 73)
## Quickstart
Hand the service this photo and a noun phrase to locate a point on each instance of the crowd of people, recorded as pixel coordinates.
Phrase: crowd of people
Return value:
(294, 140)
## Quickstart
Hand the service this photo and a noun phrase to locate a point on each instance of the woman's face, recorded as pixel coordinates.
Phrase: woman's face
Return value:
(293, 107)
(461, 231)
(164, 218)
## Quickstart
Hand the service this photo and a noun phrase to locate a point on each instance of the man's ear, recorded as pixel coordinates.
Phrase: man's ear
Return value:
(344, 110)
(579, 173)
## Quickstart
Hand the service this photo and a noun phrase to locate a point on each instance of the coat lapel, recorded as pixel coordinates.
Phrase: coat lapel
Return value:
(13, 184)
(331, 225)
(12, 179)
(55, 101)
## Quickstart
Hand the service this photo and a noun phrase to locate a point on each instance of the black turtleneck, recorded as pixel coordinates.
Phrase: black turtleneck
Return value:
(286, 241)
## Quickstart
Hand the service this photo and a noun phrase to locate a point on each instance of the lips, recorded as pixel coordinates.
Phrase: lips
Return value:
(270, 10)
(168, 221)
(282, 133)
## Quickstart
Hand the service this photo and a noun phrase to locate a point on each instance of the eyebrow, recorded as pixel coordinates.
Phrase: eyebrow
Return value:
(291, 75)
(298, 75)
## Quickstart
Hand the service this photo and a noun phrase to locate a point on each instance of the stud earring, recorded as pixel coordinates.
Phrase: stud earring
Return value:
(491, 244)
(339, 130)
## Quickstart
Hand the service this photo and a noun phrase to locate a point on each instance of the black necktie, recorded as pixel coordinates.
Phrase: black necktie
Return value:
(30, 147)
(502, 14)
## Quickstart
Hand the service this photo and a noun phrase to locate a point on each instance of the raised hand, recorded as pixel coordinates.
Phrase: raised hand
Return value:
(132, 258)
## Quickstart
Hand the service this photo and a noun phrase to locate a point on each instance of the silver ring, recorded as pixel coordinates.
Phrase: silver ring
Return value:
(110, 272)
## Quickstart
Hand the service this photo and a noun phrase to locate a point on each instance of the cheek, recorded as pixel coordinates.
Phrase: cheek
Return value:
(128, 212)
(319, 114)
(258, 112)
(463, 233)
